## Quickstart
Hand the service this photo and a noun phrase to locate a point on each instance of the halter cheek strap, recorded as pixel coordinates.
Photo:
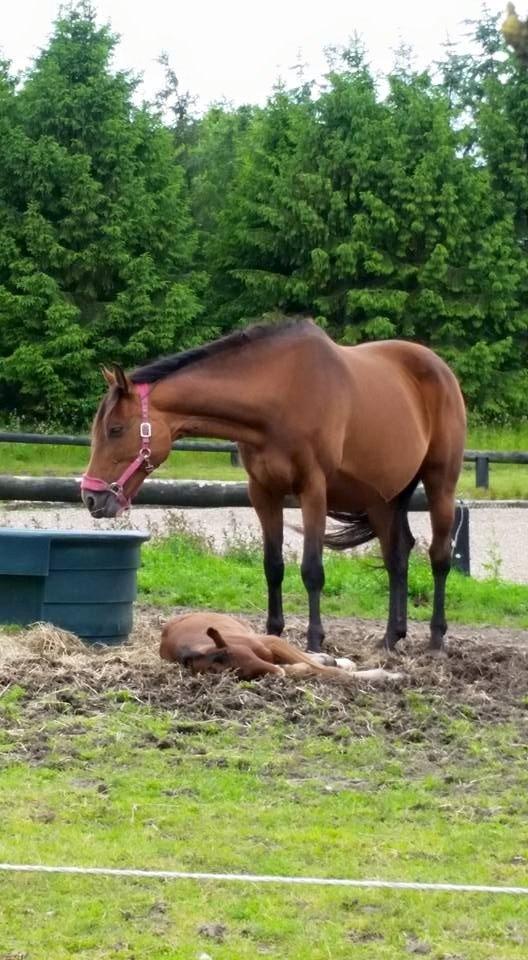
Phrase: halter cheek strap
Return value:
(141, 462)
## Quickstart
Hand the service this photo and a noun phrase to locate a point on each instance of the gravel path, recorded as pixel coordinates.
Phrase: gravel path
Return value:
(498, 534)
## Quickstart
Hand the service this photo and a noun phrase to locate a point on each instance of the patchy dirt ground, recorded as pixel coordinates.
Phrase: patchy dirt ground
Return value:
(484, 676)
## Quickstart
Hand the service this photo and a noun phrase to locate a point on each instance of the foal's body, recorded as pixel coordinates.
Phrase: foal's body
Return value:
(215, 642)
(349, 430)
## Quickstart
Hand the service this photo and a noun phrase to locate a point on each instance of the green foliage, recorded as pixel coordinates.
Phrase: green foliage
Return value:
(128, 232)
(369, 214)
(182, 571)
(96, 260)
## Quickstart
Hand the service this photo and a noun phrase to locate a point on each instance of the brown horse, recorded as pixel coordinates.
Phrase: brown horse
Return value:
(216, 642)
(349, 430)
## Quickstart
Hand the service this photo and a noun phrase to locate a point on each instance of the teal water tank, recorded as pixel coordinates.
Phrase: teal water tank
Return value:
(79, 581)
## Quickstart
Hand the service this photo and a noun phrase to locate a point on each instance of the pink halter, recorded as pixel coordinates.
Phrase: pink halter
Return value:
(141, 462)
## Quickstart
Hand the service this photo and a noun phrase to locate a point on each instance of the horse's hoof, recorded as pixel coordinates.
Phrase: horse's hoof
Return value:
(313, 644)
(323, 659)
(438, 653)
(345, 664)
(388, 645)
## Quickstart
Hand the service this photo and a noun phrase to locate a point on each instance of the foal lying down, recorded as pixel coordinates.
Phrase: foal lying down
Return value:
(215, 642)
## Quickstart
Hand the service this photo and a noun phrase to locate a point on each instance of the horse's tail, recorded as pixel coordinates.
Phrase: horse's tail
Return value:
(355, 529)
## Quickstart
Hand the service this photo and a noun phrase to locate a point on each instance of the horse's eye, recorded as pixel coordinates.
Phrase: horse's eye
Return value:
(116, 430)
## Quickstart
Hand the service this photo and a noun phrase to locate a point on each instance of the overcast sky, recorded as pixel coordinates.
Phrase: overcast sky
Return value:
(238, 48)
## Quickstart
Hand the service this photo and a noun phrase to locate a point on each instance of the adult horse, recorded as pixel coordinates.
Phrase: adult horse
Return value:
(349, 430)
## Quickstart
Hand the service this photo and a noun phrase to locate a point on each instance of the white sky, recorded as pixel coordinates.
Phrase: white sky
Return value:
(238, 48)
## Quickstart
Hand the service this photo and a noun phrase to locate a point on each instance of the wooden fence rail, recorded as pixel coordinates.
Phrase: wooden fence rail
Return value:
(200, 494)
(481, 458)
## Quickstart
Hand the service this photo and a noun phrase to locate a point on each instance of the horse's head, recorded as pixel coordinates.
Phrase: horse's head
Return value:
(130, 438)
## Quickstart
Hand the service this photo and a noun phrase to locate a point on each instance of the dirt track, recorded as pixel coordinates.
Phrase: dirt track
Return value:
(499, 535)
(485, 673)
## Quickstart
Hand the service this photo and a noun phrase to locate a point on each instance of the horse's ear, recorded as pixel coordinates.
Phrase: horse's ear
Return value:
(216, 636)
(121, 380)
(108, 376)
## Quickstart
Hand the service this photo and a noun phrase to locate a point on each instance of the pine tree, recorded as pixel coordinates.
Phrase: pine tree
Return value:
(105, 242)
(372, 216)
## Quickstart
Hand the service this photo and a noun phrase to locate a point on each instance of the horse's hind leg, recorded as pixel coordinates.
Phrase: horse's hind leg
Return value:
(269, 512)
(442, 509)
(392, 527)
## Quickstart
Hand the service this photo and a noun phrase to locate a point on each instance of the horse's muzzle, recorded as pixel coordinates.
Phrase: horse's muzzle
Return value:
(101, 503)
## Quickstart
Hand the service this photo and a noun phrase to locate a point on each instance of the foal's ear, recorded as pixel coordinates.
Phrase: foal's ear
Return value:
(216, 636)
(121, 380)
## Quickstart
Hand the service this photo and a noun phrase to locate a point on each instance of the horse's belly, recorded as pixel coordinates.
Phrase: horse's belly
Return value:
(346, 493)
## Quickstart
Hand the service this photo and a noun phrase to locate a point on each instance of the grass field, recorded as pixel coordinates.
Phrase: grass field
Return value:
(507, 481)
(106, 761)
(181, 571)
(111, 760)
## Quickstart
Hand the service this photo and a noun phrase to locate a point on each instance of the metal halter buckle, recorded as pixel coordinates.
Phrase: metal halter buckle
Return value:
(145, 430)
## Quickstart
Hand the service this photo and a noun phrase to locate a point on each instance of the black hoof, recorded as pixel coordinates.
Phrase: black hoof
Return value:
(389, 645)
(314, 642)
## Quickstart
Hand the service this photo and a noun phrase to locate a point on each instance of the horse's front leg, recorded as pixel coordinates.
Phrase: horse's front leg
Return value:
(269, 512)
(313, 506)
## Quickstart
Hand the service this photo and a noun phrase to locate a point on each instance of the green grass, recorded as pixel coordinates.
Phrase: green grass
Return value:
(181, 571)
(507, 481)
(498, 438)
(39, 460)
(265, 799)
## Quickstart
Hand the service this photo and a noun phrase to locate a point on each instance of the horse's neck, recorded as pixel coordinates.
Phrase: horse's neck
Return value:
(209, 401)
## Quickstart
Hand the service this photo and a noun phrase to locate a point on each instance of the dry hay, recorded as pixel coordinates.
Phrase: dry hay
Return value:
(487, 670)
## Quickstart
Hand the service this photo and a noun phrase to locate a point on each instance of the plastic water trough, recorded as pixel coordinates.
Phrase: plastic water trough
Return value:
(85, 582)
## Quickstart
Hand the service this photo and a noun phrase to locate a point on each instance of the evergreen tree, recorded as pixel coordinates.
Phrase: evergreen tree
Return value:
(105, 242)
(371, 215)
(130, 231)
(490, 102)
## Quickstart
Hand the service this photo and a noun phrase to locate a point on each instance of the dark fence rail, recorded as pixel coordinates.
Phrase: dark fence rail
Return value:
(201, 494)
(68, 440)
(481, 458)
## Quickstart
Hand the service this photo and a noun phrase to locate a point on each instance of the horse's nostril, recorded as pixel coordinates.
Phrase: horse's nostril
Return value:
(89, 501)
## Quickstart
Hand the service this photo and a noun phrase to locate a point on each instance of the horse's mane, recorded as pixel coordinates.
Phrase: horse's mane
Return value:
(165, 366)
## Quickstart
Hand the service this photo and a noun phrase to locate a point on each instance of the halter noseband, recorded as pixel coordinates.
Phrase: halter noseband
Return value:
(141, 462)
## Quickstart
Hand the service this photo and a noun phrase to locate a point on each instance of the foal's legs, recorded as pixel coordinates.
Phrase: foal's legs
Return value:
(391, 524)
(313, 506)
(441, 499)
(269, 512)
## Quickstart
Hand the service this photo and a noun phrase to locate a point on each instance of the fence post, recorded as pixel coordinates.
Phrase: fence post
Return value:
(481, 472)
(235, 458)
(461, 555)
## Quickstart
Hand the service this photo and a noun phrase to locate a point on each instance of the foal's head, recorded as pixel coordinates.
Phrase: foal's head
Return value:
(130, 437)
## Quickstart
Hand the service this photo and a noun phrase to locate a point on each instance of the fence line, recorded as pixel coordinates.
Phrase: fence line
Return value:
(202, 494)
(263, 878)
(481, 458)
(71, 440)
